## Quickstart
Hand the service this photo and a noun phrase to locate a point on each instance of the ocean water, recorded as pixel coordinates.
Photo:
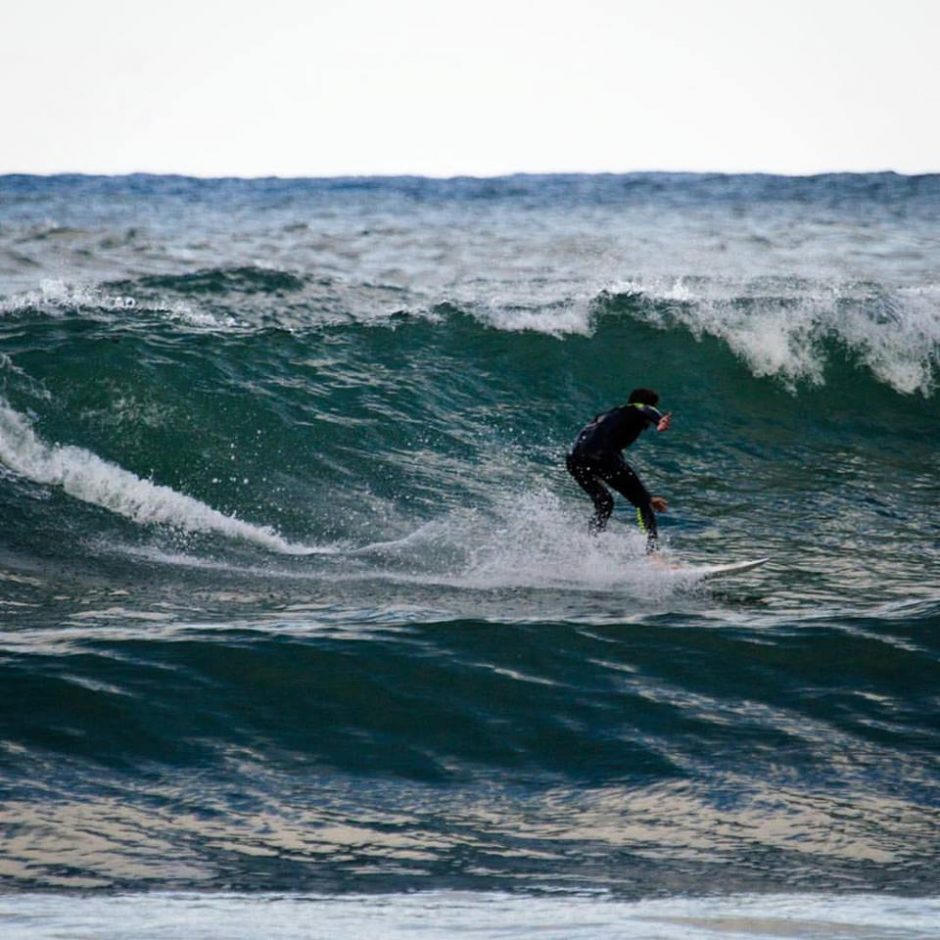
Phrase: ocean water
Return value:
(302, 625)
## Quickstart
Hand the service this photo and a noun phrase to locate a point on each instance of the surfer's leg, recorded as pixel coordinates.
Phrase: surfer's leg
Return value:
(621, 477)
(586, 476)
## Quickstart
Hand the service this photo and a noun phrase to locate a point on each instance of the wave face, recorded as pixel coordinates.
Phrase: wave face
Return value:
(298, 595)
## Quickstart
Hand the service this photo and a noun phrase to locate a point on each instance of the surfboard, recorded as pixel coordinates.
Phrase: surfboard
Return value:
(707, 572)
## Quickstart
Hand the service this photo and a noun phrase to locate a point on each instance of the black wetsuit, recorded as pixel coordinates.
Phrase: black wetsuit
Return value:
(596, 459)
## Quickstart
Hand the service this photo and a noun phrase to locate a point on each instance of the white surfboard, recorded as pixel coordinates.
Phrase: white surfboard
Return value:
(707, 572)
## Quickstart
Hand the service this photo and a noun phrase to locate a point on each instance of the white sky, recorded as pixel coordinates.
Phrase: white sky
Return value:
(335, 87)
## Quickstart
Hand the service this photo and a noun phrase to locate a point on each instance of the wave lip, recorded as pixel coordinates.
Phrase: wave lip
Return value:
(85, 476)
(791, 329)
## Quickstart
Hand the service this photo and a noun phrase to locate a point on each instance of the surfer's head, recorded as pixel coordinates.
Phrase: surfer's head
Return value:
(643, 396)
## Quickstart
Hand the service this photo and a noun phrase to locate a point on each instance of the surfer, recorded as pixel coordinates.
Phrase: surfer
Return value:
(595, 459)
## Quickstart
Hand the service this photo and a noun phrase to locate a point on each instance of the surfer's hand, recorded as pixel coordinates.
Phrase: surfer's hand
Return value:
(664, 422)
(658, 503)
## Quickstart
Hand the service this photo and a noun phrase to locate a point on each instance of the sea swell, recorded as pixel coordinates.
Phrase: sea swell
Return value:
(556, 702)
(297, 594)
(673, 752)
(789, 329)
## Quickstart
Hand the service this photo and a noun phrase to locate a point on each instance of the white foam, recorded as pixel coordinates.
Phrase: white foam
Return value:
(895, 333)
(58, 298)
(85, 476)
(770, 342)
(526, 540)
(904, 350)
(572, 317)
(435, 915)
(537, 543)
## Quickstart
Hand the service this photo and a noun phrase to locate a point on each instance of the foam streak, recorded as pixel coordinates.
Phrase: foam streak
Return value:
(85, 476)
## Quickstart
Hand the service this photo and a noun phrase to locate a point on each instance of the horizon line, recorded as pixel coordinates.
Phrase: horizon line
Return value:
(512, 174)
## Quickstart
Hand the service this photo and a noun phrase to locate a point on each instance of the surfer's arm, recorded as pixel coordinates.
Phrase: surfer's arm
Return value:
(661, 422)
(655, 417)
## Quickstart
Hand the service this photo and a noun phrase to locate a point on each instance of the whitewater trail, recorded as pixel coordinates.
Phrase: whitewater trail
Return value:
(85, 476)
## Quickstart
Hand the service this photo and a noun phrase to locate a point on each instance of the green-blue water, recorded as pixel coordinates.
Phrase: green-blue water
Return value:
(298, 596)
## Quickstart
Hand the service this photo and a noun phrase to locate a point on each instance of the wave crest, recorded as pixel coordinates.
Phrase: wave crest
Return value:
(791, 331)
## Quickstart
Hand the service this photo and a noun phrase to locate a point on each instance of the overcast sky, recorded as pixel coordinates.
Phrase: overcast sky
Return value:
(323, 88)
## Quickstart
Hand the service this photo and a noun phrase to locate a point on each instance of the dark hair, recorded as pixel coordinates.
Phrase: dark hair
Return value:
(644, 396)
